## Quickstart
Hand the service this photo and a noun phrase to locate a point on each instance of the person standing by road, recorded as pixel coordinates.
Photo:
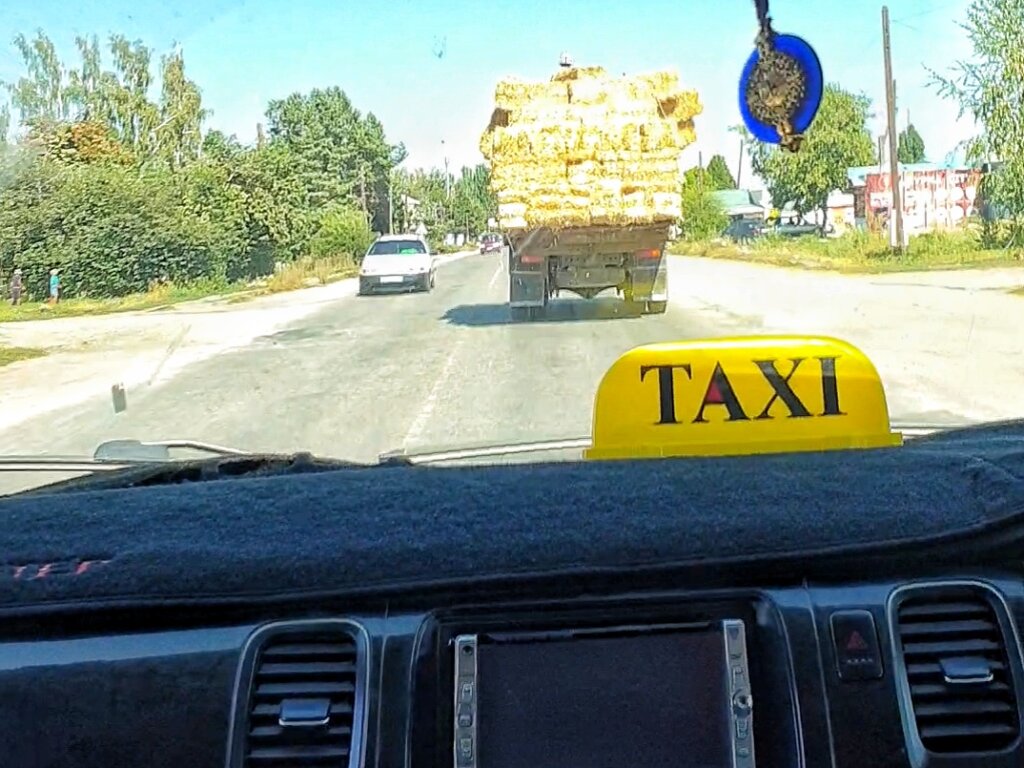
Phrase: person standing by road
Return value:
(54, 286)
(16, 288)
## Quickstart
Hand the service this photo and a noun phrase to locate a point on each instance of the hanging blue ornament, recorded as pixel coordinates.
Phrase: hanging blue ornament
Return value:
(781, 86)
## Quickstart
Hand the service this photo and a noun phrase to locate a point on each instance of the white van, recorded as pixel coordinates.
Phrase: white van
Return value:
(397, 263)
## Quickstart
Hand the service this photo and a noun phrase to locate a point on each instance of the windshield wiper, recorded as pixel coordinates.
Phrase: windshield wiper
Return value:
(404, 457)
(177, 471)
(112, 455)
(136, 450)
(133, 463)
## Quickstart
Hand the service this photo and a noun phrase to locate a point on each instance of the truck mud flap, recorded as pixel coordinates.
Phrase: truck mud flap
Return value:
(650, 283)
(527, 289)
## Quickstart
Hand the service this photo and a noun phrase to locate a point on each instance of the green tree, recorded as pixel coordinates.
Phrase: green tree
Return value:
(84, 141)
(111, 228)
(911, 146)
(219, 148)
(343, 232)
(125, 96)
(5, 123)
(179, 134)
(838, 139)
(341, 155)
(703, 216)
(46, 91)
(87, 87)
(52, 92)
(719, 174)
(279, 211)
(990, 88)
(428, 187)
(472, 202)
(121, 189)
(697, 177)
(713, 178)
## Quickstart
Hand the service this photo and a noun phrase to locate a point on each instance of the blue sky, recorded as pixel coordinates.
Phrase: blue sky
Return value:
(427, 68)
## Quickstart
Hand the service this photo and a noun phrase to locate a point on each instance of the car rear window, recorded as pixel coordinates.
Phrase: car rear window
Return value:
(389, 247)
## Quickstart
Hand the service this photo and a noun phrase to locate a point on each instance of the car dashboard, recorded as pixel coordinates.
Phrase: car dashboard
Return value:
(895, 643)
(916, 672)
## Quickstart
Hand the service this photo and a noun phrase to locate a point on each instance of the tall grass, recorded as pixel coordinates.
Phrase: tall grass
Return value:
(10, 355)
(308, 272)
(859, 251)
(159, 295)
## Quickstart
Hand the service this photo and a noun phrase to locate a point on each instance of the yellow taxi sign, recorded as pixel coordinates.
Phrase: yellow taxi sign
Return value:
(737, 396)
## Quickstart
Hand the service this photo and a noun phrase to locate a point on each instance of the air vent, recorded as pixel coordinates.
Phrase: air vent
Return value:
(302, 704)
(958, 670)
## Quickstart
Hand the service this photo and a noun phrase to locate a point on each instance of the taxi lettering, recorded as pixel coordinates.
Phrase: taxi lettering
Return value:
(719, 390)
(749, 394)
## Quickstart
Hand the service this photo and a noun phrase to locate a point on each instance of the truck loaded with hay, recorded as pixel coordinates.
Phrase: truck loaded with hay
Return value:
(586, 171)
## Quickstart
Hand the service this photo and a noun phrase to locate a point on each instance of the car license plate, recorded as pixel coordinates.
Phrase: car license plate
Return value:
(391, 279)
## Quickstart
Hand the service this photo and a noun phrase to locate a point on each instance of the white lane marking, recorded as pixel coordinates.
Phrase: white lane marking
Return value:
(171, 349)
(441, 383)
(443, 380)
(496, 275)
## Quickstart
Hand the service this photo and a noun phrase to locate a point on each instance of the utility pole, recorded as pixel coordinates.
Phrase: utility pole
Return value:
(447, 178)
(362, 190)
(739, 168)
(391, 202)
(890, 104)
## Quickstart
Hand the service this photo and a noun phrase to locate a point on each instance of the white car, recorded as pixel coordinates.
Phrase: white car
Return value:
(397, 263)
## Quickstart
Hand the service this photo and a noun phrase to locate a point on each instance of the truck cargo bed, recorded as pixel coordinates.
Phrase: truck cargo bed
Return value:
(584, 240)
(586, 261)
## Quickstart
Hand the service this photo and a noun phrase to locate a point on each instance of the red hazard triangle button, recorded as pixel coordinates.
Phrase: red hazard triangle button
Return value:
(856, 642)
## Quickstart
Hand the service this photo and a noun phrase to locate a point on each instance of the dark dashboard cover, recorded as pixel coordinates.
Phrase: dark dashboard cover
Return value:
(377, 530)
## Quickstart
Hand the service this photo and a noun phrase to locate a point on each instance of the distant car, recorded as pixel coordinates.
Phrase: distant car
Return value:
(491, 243)
(744, 230)
(397, 263)
(795, 230)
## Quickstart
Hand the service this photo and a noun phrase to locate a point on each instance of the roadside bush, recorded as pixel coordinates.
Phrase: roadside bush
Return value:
(946, 244)
(858, 245)
(115, 229)
(860, 250)
(342, 232)
(703, 216)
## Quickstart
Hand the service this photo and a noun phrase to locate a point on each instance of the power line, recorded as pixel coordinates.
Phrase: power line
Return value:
(929, 12)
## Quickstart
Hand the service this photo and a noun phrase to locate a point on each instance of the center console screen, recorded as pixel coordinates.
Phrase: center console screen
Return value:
(659, 697)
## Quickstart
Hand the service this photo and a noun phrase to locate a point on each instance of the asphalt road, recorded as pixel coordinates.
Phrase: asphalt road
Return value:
(352, 377)
(366, 375)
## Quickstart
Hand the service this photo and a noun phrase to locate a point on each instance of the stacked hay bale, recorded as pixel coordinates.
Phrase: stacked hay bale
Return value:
(586, 149)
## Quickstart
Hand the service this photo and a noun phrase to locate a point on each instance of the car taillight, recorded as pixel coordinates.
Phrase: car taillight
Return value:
(649, 253)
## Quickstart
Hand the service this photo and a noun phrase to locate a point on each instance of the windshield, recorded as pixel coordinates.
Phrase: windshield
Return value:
(389, 247)
(188, 194)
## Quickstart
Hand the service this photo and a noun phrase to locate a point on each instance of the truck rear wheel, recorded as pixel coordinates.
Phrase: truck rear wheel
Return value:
(655, 307)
